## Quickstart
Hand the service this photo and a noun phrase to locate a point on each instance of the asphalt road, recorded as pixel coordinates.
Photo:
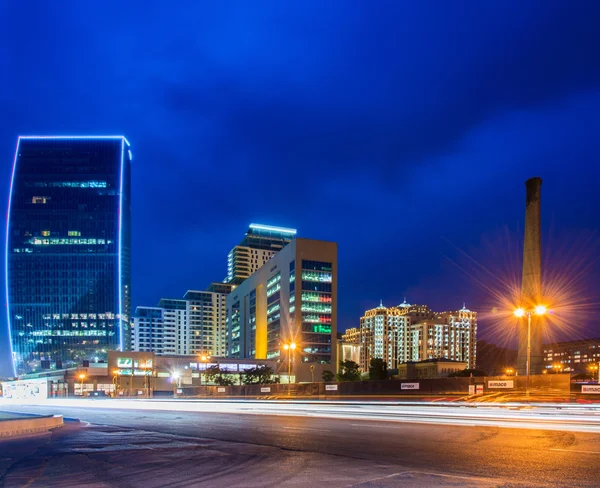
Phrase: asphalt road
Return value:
(127, 447)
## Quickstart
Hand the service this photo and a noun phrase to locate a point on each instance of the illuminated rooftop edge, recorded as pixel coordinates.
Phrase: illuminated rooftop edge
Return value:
(76, 137)
(273, 228)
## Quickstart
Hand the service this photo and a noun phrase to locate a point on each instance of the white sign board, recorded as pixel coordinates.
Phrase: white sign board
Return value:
(479, 389)
(265, 389)
(590, 389)
(221, 389)
(409, 386)
(331, 387)
(501, 384)
(471, 389)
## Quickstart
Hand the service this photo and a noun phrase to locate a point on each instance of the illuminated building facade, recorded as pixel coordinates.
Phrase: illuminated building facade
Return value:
(291, 298)
(451, 335)
(408, 333)
(260, 244)
(68, 280)
(573, 356)
(195, 324)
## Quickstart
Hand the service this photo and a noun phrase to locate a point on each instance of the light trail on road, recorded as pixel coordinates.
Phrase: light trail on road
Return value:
(545, 417)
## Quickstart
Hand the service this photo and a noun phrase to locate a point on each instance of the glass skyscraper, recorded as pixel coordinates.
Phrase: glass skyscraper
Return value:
(68, 279)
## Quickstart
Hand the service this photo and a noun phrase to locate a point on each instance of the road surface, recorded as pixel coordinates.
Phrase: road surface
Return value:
(207, 444)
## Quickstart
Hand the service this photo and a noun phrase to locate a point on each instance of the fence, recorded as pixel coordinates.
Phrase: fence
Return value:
(557, 384)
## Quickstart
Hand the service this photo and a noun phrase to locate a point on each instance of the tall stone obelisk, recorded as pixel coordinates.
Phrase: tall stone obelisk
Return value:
(531, 285)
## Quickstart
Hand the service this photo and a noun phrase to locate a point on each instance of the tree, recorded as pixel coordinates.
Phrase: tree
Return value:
(377, 369)
(214, 374)
(261, 375)
(328, 376)
(467, 373)
(349, 371)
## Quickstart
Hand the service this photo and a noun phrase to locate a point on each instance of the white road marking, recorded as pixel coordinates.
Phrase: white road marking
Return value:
(574, 450)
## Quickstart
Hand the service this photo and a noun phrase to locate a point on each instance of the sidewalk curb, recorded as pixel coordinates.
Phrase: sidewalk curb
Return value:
(26, 426)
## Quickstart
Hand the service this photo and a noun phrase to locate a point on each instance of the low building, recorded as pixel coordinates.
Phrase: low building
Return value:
(131, 373)
(430, 368)
(573, 356)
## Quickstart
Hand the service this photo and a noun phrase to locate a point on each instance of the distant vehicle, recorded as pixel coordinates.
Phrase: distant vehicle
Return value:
(95, 394)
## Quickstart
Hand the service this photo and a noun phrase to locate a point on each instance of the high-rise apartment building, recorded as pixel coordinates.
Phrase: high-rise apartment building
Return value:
(407, 333)
(451, 335)
(292, 298)
(260, 244)
(195, 324)
(68, 274)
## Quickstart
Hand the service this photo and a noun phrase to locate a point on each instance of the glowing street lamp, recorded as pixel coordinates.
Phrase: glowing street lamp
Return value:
(520, 312)
(177, 376)
(116, 378)
(204, 358)
(509, 371)
(289, 348)
(593, 368)
(82, 377)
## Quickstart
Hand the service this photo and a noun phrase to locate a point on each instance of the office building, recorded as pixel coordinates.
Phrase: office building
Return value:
(260, 244)
(572, 356)
(194, 324)
(411, 333)
(68, 251)
(292, 298)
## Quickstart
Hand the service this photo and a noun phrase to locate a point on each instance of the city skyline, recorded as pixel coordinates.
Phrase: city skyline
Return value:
(372, 133)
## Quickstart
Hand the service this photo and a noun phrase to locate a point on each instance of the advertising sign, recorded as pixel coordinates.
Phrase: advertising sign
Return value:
(501, 384)
(479, 389)
(265, 389)
(221, 389)
(590, 389)
(331, 387)
(409, 386)
(124, 362)
(471, 389)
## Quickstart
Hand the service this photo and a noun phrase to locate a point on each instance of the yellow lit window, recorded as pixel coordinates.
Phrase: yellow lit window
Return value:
(46, 233)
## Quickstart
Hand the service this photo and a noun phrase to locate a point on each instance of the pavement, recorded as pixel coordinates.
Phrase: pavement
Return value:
(123, 446)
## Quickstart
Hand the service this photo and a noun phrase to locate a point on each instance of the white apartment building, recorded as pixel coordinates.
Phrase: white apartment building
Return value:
(195, 324)
(260, 244)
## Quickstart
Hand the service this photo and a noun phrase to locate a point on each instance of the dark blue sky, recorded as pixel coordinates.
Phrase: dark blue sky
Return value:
(402, 130)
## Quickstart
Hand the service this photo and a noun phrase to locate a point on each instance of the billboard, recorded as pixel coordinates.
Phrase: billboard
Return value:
(25, 389)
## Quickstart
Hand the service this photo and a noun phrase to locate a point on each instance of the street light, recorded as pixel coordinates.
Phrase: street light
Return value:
(177, 376)
(81, 377)
(204, 358)
(289, 348)
(593, 368)
(509, 371)
(520, 312)
(116, 380)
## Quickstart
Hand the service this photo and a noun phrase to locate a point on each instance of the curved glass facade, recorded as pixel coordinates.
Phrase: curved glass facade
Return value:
(68, 280)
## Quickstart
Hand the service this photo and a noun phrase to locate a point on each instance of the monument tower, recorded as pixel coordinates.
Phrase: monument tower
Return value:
(531, 285)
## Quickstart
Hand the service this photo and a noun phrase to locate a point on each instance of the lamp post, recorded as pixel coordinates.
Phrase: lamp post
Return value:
(593, 368)
(116, 380)
(204, 358)
(82, 377)
(520, 312)
(289, 348)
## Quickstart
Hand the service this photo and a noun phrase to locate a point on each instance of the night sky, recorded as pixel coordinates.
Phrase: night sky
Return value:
(404, 131)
